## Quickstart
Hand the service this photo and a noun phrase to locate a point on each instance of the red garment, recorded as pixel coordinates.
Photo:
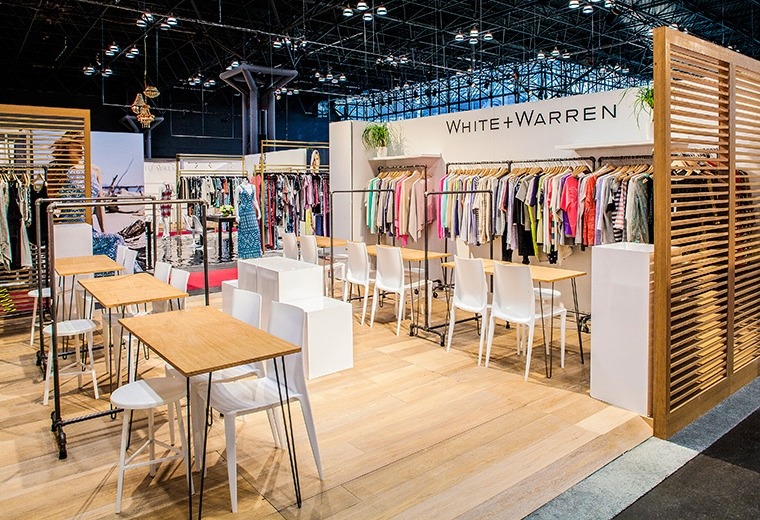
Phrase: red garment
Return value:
(569, 203)
(589, 212)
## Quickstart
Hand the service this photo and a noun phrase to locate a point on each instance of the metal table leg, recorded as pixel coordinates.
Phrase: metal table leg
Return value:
(290, 440)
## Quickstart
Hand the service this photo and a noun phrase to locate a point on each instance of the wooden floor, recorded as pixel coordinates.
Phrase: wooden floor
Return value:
(410, 432)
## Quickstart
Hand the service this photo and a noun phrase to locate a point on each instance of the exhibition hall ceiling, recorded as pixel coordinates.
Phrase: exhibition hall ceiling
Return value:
(105, 51)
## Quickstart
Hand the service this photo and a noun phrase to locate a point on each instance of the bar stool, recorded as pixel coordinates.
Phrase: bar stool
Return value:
(35, 293)
(72, 329)
(149, 394)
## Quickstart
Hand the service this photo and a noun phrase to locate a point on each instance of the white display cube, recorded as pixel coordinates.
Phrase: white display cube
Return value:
(328, 338)
(620, 332)
(228, 287)
(280, 279)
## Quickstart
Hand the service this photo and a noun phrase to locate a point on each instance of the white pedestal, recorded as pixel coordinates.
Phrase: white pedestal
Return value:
(328, 339)
(280, 279)
(228, 287)
(620, 331)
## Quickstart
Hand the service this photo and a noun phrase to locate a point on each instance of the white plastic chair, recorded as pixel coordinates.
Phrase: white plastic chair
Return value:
(253, 395)
(130, 259)
(162, 271)
(121, 254)
(179, 279)
(72, 329)
(462, 249)
(514, 301)
(290, 246)
(357, 272)
(193, 225)
(309, 253)
(391, 277)
(35, 293)
(470, 294)
(149, 394)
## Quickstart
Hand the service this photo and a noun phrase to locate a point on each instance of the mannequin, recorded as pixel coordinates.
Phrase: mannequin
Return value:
(247, 213)
(166, 210)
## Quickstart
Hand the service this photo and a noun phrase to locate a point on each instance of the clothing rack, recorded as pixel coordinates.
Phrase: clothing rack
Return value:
(589, 158)
(428, 327)
(399, 168)
(601, 160)
(402, 168)
(449, 166)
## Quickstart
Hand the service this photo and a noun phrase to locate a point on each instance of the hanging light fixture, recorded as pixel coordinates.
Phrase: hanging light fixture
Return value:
(474, 32)
(334, 81)
(145, 117)
(609, 4)
(565, 55)
(342, 77)
(555, 53)
(367, 17)
(347, 11)
(107, 72)
(459, 37)
(473, 41)
(588, 9)
(296, 91)
(329, 75)
(362, 6)
(381, 10)
(138, 103)
(574, 4)
(89, 70)
(487, 36)
(277, 43)
(141, 23)
(172, 21)
(541, 55)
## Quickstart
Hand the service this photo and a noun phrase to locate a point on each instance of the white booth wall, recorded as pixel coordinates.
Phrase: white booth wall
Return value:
(601, 124)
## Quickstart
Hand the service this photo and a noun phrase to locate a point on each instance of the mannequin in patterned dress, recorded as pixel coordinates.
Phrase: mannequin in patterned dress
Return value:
(166, 210)
(247, 214)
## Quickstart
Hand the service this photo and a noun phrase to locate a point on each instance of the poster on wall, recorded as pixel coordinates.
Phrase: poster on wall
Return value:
(118, 171)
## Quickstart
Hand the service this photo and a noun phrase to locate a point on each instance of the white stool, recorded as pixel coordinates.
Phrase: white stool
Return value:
(65, 329)
(148, 394)
(36, 295)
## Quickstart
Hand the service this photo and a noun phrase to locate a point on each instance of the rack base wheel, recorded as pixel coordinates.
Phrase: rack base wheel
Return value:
(61, 438)
(53, 421)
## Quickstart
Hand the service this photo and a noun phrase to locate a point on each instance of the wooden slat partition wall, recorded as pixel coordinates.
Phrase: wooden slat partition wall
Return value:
(707, 227)
(28, 137)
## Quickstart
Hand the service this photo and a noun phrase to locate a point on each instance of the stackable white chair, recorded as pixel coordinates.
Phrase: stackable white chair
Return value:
(247, 396)
(179, 279)
(121, 254)
(290, 246)
(72, 329)
(149, 394)
(194, 225)
(470, 294)
(162, 271)
(310, 254)
(357, 272)
(35, 293)
(514, 301)
(391, 277)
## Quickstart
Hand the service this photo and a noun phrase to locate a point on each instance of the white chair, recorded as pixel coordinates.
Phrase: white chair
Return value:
(357, 272)
(462, 249)
(121, 254)
(194, 225)
(290, 246)
(162, 271)
(130, 259)
(72, 329)
(514, 301)
(391, 277)
(149, 394)
(310, 254)
(470, 294)
(179, 279)
(253, 395)
(35, 293)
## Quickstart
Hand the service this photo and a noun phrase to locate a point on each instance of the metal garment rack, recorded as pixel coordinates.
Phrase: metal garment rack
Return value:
(41, 359)
(297, 174)
(332, 266)
(589, 158)
(601, 160)
(57, 421)
(428, 327)
(450, 166)
(402, 168)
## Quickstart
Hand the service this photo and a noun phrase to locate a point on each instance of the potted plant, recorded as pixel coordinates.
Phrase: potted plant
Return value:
(377, 136)
(644, 102)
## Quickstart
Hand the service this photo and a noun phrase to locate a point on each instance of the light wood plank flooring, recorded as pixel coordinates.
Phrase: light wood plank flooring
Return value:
(410, 432)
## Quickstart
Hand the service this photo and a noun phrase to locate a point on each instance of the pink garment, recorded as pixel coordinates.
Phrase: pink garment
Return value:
(440, 209)
(569, 203)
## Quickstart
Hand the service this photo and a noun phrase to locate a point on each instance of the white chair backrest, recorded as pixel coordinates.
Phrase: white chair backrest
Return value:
(290, 246)
(179, 280)
(470, 286)
(287, 322)
(72, 239)
(390, 268)
(309, 249)
(463, 249)
(357, 265)
(162, 271)
(513, 291)
(246, 306)
(130, 258)
(121, 254)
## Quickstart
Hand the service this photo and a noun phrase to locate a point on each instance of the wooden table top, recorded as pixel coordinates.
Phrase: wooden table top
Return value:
(131, 289)
(411, 255)
(203, 339)
(221, 218)
(74, 265)
(324, 242)
(539, 273)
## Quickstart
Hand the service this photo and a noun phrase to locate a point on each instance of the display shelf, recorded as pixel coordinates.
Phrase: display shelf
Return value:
(605, 146)
(431, 157)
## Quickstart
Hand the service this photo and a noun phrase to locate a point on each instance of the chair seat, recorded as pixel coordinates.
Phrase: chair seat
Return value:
(546, 294)
(71, 327)
(148, 393)
(34, 293)
(245, 396)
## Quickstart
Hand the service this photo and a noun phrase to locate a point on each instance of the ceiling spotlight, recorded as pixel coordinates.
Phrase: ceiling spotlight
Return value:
(367, 17)
(347, 11)
(555, 53)
(650, 31)
(89, 70)
(235, 63)
(406, 84)
(106, 72)
(342, 77)
(473, 41)
(165, 26)
(588, 9)
(574, 4)
(277, 43)
(329, 76)
(565, 55)
(459, 37)
(474, 32)
(381, 10)
(487, 36)
(362, 6)
(172, 21)
(541, 55)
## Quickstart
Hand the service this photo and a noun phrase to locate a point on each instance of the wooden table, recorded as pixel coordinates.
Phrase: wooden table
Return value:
(74, 265)
(202, 340)
(324, 242)
(411, 255)
(544, 274)
(120, 291)
(220, 219)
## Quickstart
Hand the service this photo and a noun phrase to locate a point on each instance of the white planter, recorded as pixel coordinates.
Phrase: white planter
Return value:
(381, 151)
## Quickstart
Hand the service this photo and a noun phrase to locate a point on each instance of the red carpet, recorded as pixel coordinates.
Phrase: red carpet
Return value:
(215, 278)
